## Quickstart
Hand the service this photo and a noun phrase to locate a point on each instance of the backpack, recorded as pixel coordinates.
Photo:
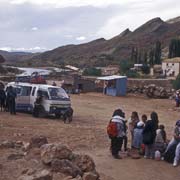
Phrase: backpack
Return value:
(112, 129)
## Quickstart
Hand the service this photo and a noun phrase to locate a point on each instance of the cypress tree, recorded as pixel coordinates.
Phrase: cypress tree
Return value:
(157, 53)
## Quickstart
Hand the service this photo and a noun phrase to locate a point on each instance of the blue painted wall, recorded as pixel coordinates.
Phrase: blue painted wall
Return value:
(121, 86)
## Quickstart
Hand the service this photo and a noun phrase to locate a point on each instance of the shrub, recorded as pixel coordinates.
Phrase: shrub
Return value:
(92, 72)
(132, 74)
(176, 83)
(125, 66)
(145, 69)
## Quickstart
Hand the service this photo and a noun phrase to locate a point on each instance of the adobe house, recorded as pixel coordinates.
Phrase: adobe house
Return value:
(76, 83)
(171, 67)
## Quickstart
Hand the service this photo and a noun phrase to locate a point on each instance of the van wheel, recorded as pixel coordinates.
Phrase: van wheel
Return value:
(42, 112)
(58, 116)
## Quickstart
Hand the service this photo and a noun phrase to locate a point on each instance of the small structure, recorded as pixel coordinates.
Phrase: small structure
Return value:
(72, 68)
(76, 83)
(114, 85)
(109, 70)
(171, 67)
(138, 67)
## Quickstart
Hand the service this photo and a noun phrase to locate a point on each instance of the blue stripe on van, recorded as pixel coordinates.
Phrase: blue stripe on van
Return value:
(24, 107)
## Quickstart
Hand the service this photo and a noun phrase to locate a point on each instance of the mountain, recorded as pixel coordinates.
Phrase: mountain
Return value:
(102, 52)
(14, 57)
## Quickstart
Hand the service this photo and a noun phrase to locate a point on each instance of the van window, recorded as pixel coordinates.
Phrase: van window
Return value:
(33, 92)
(18, 90)
(43, 93)
(26, 91)
(57, 93)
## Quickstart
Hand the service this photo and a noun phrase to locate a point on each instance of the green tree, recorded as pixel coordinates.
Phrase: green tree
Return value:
(157, 53)
(176, 83)
(145, 69)
(92, 72)
(125, 65)
(174, 48)
(145, 58)
(151, 57)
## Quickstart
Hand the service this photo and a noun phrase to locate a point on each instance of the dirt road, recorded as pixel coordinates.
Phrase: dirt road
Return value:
(87, 133)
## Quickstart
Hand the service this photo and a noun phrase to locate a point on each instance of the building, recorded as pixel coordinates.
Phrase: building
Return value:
(109, 70)
(77, 83)
(171, 67)
(114, 85)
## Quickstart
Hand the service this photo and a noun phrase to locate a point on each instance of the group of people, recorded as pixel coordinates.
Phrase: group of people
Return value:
(148, 137)
(7, 100)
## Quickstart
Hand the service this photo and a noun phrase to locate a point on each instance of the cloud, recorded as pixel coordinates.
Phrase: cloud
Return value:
(137, 14)
(34, 28)
(53, 23)
(21, 49)
(81, 38)
(73, 3)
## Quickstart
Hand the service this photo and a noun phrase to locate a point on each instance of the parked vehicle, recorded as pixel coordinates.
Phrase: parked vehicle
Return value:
(55, 100)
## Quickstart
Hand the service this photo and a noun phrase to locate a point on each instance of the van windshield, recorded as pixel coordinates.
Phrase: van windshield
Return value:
(57, 93)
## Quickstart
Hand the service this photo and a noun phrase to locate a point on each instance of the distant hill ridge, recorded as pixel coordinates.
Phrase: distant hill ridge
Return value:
(103, 52)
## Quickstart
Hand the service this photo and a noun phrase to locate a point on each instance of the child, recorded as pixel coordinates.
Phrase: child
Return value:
(132, 124)
(137, 140)
(144, 118)
(160, 141)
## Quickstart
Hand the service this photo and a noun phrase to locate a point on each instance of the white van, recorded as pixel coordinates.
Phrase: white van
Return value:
(55, 99)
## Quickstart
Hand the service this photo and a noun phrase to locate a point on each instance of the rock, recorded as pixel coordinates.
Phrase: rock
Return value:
(39, 175)
(15, 156)
(18, 144)
(7, 144)
(66, 167)
(68, 178)
(84, 162)
(38, 141)
(90, 176)
(49, 152)
(77, 178)
(26, 146)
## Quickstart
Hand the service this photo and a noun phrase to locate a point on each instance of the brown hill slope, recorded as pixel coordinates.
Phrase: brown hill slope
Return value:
(103, 52)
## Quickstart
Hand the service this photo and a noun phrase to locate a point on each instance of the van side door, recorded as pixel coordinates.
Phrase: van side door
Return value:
(23, 99)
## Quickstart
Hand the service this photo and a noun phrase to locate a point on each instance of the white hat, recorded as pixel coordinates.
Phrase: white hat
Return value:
(140, 124)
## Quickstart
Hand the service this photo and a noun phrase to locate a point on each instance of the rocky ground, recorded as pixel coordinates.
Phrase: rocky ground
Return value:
(86, 134)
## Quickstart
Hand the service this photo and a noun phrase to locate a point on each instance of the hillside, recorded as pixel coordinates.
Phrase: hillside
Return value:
(14, 57)
(103, 52)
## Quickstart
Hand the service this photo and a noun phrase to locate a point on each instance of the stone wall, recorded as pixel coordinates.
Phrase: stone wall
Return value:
(165, 83)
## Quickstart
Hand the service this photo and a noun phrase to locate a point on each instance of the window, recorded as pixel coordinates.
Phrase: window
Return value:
(172, 64)
(18, 90)
(33, 92)
(26, 91)
(43, 93)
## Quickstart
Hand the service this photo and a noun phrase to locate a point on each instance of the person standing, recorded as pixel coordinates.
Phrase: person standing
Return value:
(11, 96)
(149, 135)
(2, 99)
(38, 104)
(133, 120)
(177, 99)
(117, 139)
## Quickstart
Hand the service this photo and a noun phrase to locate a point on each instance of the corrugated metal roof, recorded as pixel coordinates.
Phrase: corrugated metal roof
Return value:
(108, 78)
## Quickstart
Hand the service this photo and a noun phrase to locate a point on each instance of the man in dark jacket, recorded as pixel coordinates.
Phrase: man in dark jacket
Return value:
(11, 97)
(2, 99)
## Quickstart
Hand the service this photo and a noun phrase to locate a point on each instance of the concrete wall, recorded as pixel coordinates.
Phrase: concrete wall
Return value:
(142, 82)
(171, 67)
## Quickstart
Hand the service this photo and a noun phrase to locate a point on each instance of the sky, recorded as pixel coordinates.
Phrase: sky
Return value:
(41, 25)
